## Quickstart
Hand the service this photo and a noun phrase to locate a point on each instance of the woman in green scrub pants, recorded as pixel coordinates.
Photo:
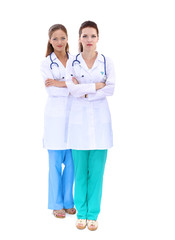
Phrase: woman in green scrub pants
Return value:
(91, 79)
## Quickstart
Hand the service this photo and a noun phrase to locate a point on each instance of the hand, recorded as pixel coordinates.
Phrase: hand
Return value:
(50, 82)
(100, 85)
(74, 80)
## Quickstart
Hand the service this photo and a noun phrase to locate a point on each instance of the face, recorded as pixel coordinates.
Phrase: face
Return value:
(89, 39)
(59, 40)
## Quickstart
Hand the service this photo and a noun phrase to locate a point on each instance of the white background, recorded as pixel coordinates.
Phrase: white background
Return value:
(138, 195)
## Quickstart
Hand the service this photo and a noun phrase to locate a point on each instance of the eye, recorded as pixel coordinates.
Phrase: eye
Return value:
(55, 39)
(63, 38)
(84, 36)
(94, 36)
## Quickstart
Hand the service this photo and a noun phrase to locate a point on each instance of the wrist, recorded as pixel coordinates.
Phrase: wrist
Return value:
(99, 85)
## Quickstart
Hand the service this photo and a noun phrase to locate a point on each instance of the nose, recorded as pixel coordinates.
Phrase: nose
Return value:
(89, 39)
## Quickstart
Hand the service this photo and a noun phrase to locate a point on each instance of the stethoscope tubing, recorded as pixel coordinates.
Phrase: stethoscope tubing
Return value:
(76, 60)
(52, 62)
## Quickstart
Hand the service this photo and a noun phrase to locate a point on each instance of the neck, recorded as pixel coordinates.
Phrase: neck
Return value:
(60, 55)
(89, 54)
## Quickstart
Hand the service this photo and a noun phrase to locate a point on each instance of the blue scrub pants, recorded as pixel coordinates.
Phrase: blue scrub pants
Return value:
(60, 180)
(89, 169)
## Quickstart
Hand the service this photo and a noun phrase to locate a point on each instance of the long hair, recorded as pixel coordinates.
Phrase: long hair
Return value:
(52, 29)
(85, 25)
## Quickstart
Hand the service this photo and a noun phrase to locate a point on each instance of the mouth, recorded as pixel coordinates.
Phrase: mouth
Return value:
(89, 45)
(59, 46)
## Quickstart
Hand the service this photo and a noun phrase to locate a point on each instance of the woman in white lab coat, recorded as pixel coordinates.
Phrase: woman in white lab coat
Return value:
(53, 69)
(91, 80)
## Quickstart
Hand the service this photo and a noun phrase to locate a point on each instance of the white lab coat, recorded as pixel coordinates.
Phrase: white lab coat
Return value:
(90, 124)
(57, 107)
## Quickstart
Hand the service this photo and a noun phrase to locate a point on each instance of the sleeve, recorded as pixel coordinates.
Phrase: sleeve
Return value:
(78, 90)
(46, 73)
(108, 90)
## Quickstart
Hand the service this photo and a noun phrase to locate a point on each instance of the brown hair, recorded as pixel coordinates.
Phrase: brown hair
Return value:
(52, 29)
(85, 25)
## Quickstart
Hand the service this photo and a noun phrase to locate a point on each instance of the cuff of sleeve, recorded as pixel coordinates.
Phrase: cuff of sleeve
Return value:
(67, 83)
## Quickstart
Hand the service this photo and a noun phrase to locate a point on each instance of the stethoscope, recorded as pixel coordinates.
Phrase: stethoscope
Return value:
(76, 60)
(52, 62)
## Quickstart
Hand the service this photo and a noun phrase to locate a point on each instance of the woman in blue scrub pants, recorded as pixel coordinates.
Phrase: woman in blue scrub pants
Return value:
(90, 80)
(53, 69)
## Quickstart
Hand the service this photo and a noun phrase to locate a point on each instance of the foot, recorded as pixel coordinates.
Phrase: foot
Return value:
(70, 210)
(81, 223)
(59, 213)
(92, 225)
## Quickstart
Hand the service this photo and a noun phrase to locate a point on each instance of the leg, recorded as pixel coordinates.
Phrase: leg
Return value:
(80, 158)
(68, 179)
(96, 168)
(55, 198)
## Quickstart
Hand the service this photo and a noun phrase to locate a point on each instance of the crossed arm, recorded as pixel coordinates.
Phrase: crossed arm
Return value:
(52, 82)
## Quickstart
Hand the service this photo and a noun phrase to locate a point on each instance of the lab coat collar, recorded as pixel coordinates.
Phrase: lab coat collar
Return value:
(83, 63)
(55, 59)
(100, 57)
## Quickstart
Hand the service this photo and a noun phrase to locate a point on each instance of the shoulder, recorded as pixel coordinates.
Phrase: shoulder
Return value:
(45, 61)
(103, 58)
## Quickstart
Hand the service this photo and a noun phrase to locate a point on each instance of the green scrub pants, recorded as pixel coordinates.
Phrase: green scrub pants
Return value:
(89, 168)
